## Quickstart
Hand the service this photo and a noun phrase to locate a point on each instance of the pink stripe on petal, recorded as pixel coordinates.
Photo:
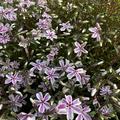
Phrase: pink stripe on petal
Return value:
(61, 106)
(41, 108)
(47, 97)
(79, 117)
(70, 114)
(76, 102)
(68, 98)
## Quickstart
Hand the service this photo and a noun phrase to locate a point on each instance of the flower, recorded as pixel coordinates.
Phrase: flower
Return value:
(42, 3)
(68, 106)
(80, 49)
(14, 65)
(83, 114)
(51, 74)
(25, 116)
(16, 101)
(50, 34)
(72, 72)
(9, 14)
(66, 26)
(51, 55)
(13, 78)
(54, 50)
(3, 28)
(64, 64)
(105, 110)
(96, 31)
(45, 15)
(105, 90)
(42, 102)
(44, 24)
(38, 65)
(85, 78)
(26, 3)
(4, 38)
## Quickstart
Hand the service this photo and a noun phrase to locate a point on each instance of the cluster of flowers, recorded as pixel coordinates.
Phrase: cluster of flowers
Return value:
(43, 79)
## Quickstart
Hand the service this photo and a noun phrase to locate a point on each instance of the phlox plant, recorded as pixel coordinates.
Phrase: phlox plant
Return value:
(59, 60)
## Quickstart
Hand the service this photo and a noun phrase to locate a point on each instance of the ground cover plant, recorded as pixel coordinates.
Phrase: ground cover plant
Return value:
(59, 60)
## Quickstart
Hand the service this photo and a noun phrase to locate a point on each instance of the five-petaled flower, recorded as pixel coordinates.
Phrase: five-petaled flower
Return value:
(4, 28)
(96, 31)
(4, 38)
(50, 34)
(9, 14)
(80, 48)
(38, 65)
(44, 24)
(64, 64)
(16, 101)
(42, 102)
(83, 114)
(66, 26)
(51, 74)
(77, 73)
(13, 78)
(25, 116)
(105, 90)
(69, 106)
(105, 110)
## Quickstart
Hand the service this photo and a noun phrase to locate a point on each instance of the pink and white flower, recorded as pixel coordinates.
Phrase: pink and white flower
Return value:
(80, 48)
(68, 106)
(77, 73)
(66, 26)
(51, 74)
(50, 34)
(96, 31)
(42, 102)
(9, 14)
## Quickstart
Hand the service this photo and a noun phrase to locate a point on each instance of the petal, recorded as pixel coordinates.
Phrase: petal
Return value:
(70, 75)
(41, 108)
(62, 111)
(68, 98)
(61, 62)
(79, 117)
(76, 102)
(11, 97)
(94, 35)
(14, 82)
(86, 109)
(84, 51)
(98, 37)
(77, 44)
(79, 54)
(86, 117)
(61, 106)
(47, 97)
(7, 81)
(83, 44)
(78, 78)
(76, 50)
(70, 114)
(76, 109)
(52, 80)
(62, 29)
(70, 69)
(92, 29)
(39, 96)
(46, 105)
